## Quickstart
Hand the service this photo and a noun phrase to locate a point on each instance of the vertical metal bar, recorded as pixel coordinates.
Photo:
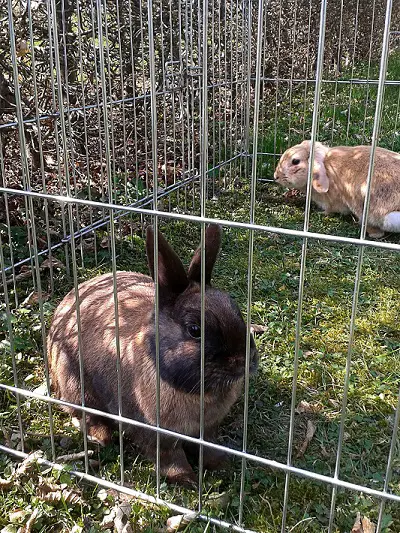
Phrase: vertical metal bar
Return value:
(213, 91)
(135, 128)
(378, 114)
(397, 115)
(246, 131)
(375, 135)
(85, 124)
(337, 69)
(35, 248)
(70, 131)
(371, 44)
(307, 70)
(10, 243)
(391, 457)
(153, 108)
(100, 7)
(144, 85)
(11, 339)
(352, 72)
(98, 105)
(260, 37)
(292, 71)
(21, 132)
(277, 80)
(56, 127)
(39, 133)
(122, 81)
(70, 215)
(318, 83)
(203, 198)
(31, 216)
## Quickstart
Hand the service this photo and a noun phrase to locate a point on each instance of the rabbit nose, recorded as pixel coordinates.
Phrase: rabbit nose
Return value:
(276, 176)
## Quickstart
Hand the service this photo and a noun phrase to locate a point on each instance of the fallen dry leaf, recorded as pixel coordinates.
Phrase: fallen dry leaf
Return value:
(324, 451)
(27, 528)
(174, 523)
(218, 500)
(17, 516)
(258, 328)
(105, 242)
(52, 262)
(306, 407)
(33, 298)
(108, 520)
(309, 435)
(121, 521)
(51, 492)
(28, 463)
(6, 483)
(363, 525)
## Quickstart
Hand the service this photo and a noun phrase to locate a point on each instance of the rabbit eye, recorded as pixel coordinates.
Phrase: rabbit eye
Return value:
(194, 331)
(295, 161)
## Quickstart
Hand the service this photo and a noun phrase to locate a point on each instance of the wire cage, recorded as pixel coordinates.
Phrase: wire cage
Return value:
(117, 115)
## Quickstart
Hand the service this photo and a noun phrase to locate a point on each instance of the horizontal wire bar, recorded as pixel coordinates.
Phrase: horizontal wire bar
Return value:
(104, 221)
(260, 460)
(195, 218)
(128, 100)
(128, 491)
(119, 214)
(350, 81)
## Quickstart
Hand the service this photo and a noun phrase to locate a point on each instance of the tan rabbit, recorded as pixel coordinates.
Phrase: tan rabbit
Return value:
(179, 342)
(339, 181)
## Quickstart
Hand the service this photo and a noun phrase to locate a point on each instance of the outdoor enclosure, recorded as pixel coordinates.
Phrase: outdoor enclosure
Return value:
(117, 115)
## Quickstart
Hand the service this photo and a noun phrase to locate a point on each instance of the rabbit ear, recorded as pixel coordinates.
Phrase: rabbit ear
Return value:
(320, 180)
(171, 273)
(213, 244)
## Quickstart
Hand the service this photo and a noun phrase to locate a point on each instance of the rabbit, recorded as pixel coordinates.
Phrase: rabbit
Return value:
(179, 354)
(339, 181)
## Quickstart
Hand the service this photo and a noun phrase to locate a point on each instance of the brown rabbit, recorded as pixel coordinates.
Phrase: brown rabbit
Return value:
(179, 341)
(339, 181)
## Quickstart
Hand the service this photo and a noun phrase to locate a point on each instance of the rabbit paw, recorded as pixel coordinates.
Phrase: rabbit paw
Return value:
(215, 459)
(184, 479)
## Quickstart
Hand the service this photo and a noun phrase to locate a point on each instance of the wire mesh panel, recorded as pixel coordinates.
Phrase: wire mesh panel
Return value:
(117, 116)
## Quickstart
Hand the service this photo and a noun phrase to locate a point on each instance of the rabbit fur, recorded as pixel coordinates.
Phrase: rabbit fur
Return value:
(339, 181)
(179, 313)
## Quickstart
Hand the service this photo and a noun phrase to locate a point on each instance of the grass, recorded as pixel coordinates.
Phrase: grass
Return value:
(327, 302)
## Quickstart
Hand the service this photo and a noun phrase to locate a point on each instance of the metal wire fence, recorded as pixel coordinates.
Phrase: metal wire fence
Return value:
(115, 114)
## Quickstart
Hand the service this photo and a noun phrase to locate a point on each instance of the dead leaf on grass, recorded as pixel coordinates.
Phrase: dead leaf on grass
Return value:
(174, 523)
(27, 528)
(52, 262)
(363, 525)
(6, 483)
(28, 463)
(218, 500)
(33, 298)
(309, 435)
(118, 518)
(258, 328)
(105, 242)
(17, 516)
(121, 522)
(51, 492)
(306, 407)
